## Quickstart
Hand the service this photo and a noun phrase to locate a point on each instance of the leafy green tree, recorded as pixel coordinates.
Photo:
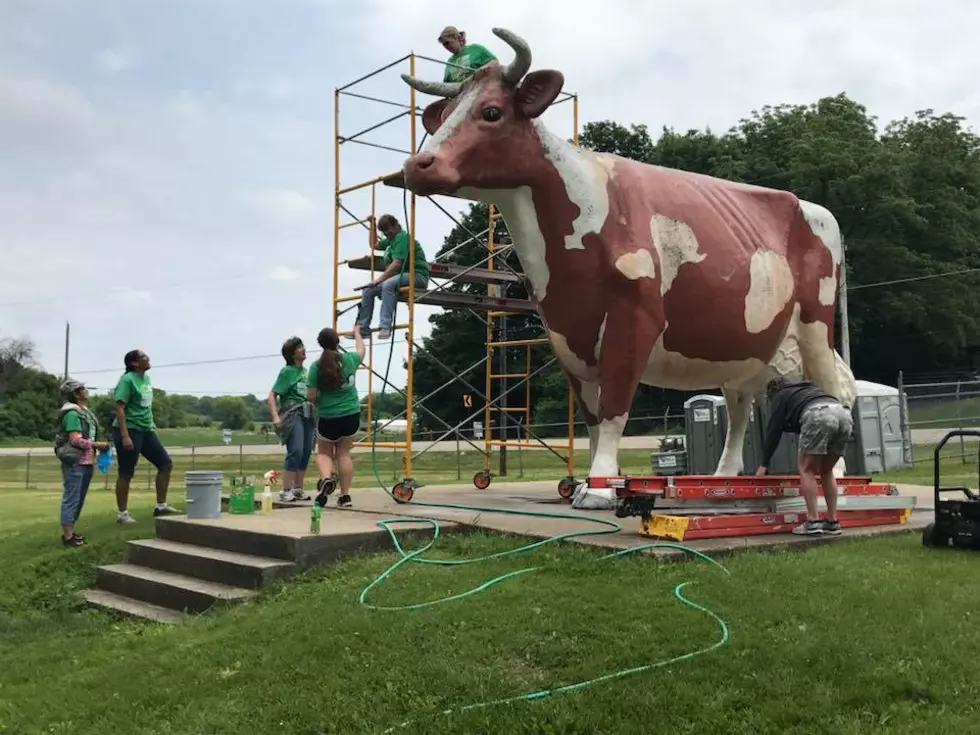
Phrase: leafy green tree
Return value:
(232, 412)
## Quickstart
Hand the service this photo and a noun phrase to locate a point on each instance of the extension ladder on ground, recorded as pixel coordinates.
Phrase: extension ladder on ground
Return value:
(708, 506)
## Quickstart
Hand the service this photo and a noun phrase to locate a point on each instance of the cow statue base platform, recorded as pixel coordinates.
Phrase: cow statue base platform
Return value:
(640, 273)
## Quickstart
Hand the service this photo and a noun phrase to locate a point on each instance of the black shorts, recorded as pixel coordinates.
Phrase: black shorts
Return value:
(146, 443)
(338, 428)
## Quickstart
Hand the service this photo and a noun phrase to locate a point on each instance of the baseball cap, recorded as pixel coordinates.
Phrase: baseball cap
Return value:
(70, 386)
(448, 31)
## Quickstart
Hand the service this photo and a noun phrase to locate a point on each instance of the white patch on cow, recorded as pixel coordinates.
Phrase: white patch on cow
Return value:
(676, 244)
(517, 208)
(605, 463)
(451, 124)
(824, 225)
(828, 290)
(585, 177)
(770, 289)
(637, 265)
(602, 333)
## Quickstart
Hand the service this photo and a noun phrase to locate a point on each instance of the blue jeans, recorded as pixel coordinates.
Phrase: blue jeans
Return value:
(76, 479)
(388, 291)
(299, 445)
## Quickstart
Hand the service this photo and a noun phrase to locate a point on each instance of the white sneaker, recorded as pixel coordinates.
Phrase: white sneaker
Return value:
(286, 496)
(384, 334)
(300, 494)
(125, 518)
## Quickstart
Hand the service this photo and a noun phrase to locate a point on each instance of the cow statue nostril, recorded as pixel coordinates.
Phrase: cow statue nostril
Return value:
(424, 160)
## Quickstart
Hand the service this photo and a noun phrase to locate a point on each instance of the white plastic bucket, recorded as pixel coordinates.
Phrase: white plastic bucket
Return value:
(203, 493)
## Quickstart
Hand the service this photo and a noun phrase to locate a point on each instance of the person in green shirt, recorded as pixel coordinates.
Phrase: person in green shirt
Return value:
(134, 434)
(75, 445)
(293, 419)
(332, 388)
(395, 243)
(466, 57)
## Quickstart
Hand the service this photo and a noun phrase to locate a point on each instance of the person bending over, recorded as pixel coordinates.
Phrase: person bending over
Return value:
(134, 434)
(293, 419)
(824, 427)
(332, 388)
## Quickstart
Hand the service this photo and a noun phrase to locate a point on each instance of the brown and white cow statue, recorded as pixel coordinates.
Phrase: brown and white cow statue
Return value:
(641, 274)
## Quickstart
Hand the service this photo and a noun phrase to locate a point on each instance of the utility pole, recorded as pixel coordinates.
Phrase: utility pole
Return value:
(845, 331)
(67, 342)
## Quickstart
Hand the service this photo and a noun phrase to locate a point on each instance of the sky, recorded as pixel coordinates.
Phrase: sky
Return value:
(167, 169)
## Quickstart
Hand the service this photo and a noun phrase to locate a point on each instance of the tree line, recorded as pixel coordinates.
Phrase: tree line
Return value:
(907, 198)
(30, 398)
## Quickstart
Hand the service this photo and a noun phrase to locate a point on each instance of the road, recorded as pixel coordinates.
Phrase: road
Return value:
(919, 436)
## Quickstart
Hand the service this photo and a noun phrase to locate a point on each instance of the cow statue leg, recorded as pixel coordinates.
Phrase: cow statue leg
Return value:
(827, 369)
(586, 392)
(739, 404)
(622, 359)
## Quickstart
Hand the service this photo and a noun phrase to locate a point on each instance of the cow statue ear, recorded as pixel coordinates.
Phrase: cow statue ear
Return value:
(432, 116)
(538, 91)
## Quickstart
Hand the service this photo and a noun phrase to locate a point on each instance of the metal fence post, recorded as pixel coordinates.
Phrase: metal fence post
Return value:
(193, 456)
(27, 485)
(959, 421)
(241, 460)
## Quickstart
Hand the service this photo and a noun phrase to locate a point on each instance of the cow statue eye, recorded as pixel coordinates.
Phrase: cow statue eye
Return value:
(491, 114)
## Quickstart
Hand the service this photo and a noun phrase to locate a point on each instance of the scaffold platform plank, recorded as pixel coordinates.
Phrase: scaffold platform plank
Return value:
(458, 273)
(452, 300)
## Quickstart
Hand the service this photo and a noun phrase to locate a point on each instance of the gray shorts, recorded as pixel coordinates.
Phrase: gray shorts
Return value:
(825, 429)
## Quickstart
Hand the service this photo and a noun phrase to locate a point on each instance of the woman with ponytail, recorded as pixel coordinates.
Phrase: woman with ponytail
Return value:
(332, 389)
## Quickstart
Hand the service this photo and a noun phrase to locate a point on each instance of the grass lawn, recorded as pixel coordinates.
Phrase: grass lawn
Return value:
(856, 637)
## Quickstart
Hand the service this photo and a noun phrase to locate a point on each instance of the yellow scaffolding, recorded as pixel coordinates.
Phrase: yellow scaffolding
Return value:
(494, 304)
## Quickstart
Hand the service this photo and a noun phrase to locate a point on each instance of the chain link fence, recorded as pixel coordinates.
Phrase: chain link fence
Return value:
(933, 409)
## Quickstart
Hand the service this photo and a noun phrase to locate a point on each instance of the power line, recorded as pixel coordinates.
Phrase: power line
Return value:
(914, 278)
(220, 360)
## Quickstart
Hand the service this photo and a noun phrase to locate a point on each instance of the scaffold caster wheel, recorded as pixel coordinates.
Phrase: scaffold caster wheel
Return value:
(481, 480)
(566, 487)
(403, 491)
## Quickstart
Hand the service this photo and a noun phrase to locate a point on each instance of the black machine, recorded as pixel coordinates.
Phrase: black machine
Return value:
(957, 521)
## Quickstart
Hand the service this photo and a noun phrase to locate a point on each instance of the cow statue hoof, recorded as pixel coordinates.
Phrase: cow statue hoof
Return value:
(593, 498)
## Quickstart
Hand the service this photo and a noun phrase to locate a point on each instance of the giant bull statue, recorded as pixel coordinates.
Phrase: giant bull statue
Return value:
(640, 273)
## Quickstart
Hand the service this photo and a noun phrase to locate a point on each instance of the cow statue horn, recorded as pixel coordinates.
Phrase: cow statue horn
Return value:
(515, 70)
(439, 89)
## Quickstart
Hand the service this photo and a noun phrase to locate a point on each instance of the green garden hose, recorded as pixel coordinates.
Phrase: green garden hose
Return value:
(610, 527)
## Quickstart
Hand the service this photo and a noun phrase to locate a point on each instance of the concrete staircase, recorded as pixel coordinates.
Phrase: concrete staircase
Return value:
(194, 566)
(190, 568)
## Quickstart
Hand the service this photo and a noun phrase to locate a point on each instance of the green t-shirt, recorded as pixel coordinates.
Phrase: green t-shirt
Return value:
(332, 404)
(82, 421)
(472, 56)
(290, 385)
(396, 248)
(137, 394)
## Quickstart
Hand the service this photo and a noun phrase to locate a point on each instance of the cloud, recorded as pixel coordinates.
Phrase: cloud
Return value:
(279, 207)
(282, 273)
(113, 61)
(43, 116)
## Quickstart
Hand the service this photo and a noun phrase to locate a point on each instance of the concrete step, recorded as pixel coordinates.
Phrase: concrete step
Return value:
(130, 608)
(237, 540)
(174, 591)
(213, 565)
